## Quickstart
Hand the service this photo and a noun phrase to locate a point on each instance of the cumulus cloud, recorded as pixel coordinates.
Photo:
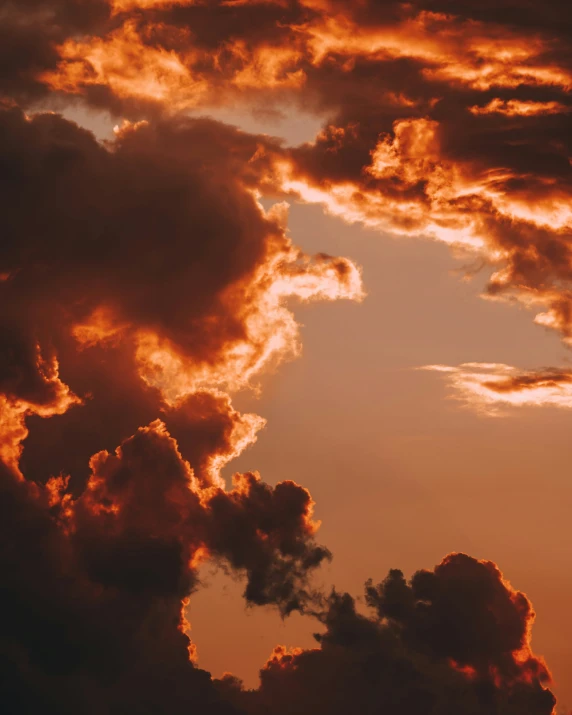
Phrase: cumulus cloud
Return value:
(454, 639)
(144, 275)
(141, 279)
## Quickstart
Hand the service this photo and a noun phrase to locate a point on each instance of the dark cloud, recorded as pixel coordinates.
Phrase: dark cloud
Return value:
(482, 91)
(148, 271)
(138, 278)
(266, 532)
(114, 236)
(95, 587)
(73, 641)
(145, 503)
(463, 610)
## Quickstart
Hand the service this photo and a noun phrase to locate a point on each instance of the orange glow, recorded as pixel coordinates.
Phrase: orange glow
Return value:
(133, 68)
(55, 487)
(516, 107)
(271, 331)
(500, 73)
(58, 497)
(13, 430)
(461, 52)
(201, 555)
(282, 657)
(126, 5)
(268, 67)
(185, 628)
(410, 157)
(457, 52)
(244, 435)
(490, 387)
(338, 35)
(100, 327)
(412, 186)
(128, 62)
(411, 154)
(129, 67)
(468, 671)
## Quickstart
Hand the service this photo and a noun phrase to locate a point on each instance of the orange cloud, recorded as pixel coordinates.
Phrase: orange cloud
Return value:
(135, 66)
(515, 107)
(15, 407)
(127, 5)
(135, 339)
(430, 153)
(490, 388)
(130, 68)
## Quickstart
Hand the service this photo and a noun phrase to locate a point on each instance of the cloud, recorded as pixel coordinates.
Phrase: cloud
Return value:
(455, 639)
(96, 585)
(143, 277)
(466, 138)
(29, 37)
(145, 498)
(96, 588)
(491, 388)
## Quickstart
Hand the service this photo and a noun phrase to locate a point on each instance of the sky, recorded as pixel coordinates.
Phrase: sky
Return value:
(284, 357)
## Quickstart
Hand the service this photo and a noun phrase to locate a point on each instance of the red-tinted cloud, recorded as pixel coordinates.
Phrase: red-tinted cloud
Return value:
(465, 138)
(490, 387)
(455, 639)
(144, 274)
(140, 280)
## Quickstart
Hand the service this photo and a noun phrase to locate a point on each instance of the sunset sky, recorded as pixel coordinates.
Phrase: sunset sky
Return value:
(285, 306)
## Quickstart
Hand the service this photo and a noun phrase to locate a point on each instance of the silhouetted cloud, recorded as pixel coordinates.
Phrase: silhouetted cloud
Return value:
(452, 640)
(140, 280)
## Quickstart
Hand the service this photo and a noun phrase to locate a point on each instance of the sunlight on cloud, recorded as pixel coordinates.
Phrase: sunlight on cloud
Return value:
(490, 387)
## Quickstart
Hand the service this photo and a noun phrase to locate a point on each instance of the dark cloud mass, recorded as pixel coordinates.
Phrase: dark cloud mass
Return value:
(142, 283)
(444, 119)
(453, 640)
(78, 640)
(95, 587)
(138, 280)
(143, 273)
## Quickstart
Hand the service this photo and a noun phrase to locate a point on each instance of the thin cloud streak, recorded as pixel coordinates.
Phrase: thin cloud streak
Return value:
(491, 388)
